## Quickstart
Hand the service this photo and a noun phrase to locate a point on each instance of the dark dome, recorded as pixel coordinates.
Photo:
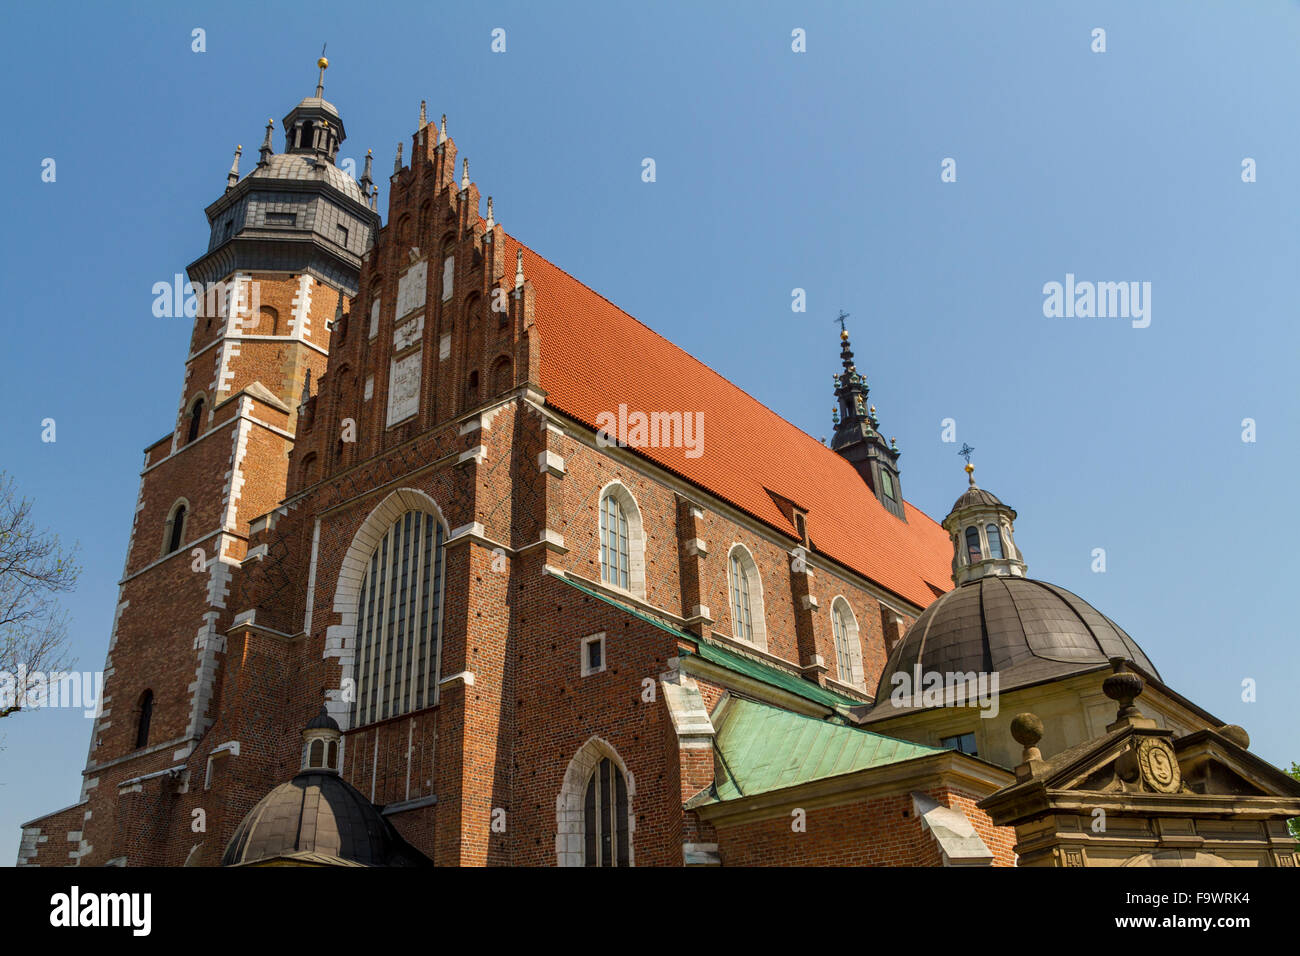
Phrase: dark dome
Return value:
(308, 168)
(975, 496)
(319, 818)
(322, 721)
(1023, 630)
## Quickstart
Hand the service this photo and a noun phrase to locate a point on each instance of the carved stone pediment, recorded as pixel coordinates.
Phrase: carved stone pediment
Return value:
(1137, 791)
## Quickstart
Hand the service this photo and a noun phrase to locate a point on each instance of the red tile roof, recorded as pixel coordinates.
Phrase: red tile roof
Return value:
(596, 356)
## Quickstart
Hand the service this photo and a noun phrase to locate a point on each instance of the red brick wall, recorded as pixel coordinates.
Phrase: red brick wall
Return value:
(882, 831)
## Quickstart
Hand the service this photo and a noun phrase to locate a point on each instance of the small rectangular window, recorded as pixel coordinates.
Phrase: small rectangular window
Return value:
(343, 235)
(593, 654)
(281, 218)
(962, 743)
(887, 484)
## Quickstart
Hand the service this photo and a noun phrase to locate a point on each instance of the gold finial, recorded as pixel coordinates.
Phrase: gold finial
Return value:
(844, 335)
(323, 63)
(970, 469)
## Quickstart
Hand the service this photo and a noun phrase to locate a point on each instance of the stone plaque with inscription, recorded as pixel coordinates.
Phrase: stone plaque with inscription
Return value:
(407, 334)
(412, 288)
(404, 388)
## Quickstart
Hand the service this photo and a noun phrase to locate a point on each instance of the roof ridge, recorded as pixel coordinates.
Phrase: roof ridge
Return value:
(703, 364)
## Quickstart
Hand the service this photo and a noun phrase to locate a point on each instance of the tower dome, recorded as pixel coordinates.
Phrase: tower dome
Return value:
(296, 212)
(1023, 630)
(997, 620)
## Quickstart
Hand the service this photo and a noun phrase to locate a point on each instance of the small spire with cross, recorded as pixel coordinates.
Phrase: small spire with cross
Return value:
(965, 452)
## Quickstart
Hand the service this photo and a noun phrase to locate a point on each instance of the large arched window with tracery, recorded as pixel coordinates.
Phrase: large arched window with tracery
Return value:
(399, 619)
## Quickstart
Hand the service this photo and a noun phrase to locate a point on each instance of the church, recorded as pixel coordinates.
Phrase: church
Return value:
(409, 583)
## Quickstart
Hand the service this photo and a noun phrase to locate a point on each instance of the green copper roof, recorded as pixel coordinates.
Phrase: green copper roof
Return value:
(649, 619)
(731, 660)
(765, 748)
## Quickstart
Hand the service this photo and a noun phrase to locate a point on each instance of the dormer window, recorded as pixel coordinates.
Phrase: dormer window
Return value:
(887, 485)
(974, 553)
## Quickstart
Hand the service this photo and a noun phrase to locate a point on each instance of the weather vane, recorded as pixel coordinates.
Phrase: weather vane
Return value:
(840, 319)
(966, 451)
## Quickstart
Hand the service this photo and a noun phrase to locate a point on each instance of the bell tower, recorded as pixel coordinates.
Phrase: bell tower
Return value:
(284, 255)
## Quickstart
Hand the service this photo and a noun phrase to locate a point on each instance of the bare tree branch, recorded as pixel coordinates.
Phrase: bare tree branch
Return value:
(34, 568)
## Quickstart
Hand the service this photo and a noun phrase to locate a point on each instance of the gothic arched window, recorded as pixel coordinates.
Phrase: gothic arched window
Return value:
(176, 528)
(746, 591)
(845, 628)
(604, 817)
(995, 541)
(196, 420)
(502, 378)
(399, 619)
(974, 553)
(615, 553)
(144, 719)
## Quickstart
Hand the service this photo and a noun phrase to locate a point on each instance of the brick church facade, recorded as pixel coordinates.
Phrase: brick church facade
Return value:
(391, 492)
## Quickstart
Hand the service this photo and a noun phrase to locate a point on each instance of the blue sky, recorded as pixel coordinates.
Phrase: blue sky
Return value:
(775, 170)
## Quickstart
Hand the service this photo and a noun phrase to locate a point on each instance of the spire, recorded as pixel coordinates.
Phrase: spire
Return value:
(306, 388)
(519, 269)
(857, 436)
(442, 131)
(264, 154)
(320, 81)
(491, 220)
(365, 180)
(232, 178)
(374, 199)
(423, 118)
(397, 161)
(464, 175)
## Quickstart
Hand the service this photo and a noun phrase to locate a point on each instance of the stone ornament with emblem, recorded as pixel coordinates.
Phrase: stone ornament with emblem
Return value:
(1159, 765)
